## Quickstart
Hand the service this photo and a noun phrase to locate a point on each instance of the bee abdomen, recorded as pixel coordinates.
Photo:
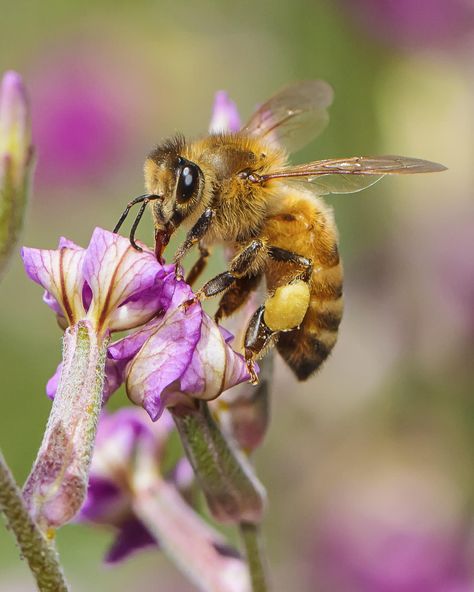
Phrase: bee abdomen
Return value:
(306, 348)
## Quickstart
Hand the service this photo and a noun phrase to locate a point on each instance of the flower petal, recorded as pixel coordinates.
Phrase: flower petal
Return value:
(225, 116)
(215, 366)
(166, 353)
(131, 537)
(119, 275)
(60, 273)
(105, 502)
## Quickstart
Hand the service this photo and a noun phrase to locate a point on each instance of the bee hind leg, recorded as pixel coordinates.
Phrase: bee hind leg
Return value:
(258, 338)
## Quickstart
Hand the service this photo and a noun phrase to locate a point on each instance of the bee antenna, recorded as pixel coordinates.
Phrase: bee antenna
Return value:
(144, 199)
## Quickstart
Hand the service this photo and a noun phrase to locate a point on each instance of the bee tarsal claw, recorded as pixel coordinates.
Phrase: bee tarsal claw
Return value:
(253, 375)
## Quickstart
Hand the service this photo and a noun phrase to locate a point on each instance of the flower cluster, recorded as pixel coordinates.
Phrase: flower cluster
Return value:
(174, 351)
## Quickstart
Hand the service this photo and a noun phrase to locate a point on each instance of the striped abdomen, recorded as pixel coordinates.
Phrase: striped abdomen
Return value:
(305, 226)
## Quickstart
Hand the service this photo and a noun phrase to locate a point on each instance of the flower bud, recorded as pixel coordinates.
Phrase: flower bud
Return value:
(15, 160)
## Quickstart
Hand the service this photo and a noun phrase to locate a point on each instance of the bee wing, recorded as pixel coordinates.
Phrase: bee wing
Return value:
(348, 175)
(294, 116)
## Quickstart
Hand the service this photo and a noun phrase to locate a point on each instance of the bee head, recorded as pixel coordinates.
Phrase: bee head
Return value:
(179, 181)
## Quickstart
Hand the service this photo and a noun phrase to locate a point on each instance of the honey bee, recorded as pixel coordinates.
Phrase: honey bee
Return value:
(238, 189)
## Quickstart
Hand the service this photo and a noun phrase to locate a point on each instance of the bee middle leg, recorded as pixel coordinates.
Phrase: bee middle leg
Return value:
(237, 295)
(249, 261)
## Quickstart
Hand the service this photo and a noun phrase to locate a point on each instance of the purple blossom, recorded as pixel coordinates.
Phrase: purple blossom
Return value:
(424, 23)
(120, 437)
(80, 120)
(173, 352)
(225, 116)
(399, 532)
(128, 491)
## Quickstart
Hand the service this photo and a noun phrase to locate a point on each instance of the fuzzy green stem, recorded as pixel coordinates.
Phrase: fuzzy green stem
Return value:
(255, 556)
(40, 554)
(57, 484)
(233, 492)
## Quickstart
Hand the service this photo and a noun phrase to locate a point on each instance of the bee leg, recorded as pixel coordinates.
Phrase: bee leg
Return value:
(248, 262)
(194, 235)
(237, 295)
(199, 266)
(257, 337)
(285, 256)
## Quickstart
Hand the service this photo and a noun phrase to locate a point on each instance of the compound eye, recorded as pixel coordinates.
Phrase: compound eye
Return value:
(188, 182)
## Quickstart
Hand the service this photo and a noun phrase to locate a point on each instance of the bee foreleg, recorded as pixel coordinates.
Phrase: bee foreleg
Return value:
(199, 266)
(194, 235)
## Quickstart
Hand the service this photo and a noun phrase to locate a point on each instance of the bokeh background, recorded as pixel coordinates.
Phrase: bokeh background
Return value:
(369, 465)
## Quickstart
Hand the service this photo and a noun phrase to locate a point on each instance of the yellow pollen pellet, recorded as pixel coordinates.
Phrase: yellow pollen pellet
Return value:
(287, 307)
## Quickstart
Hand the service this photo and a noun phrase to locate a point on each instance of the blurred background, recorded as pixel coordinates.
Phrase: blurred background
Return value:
(369, 464)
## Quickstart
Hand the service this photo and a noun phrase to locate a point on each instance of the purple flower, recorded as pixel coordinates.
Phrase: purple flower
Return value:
(109, 284)
(423, 23)
(128, 491)
(120, 438)
(225, 116)
(173, 352)
(395, 532)
(80, 120)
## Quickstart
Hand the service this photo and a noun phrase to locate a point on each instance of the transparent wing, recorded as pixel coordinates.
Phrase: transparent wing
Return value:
(348, 175)
(294, 116)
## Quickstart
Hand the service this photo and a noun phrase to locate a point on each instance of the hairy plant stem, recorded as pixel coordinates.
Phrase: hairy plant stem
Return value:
(255, 556)
(57, 484)
(232, 490)
(35, 548)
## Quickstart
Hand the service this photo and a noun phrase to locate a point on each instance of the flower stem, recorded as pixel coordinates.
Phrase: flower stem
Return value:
(233, 492)
(40, 554)
(57, 484)
(255, 557)
(194, 546)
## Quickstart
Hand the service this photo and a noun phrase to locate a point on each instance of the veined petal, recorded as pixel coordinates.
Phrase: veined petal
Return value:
(166, 354)
(215, 366)
(225, 116)
(60, 273)
(117, 273)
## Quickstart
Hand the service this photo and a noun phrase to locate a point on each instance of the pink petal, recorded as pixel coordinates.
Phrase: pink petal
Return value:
(166, 353)
(225, 116)
(60, 273)
(116, 272)
(215, 367)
